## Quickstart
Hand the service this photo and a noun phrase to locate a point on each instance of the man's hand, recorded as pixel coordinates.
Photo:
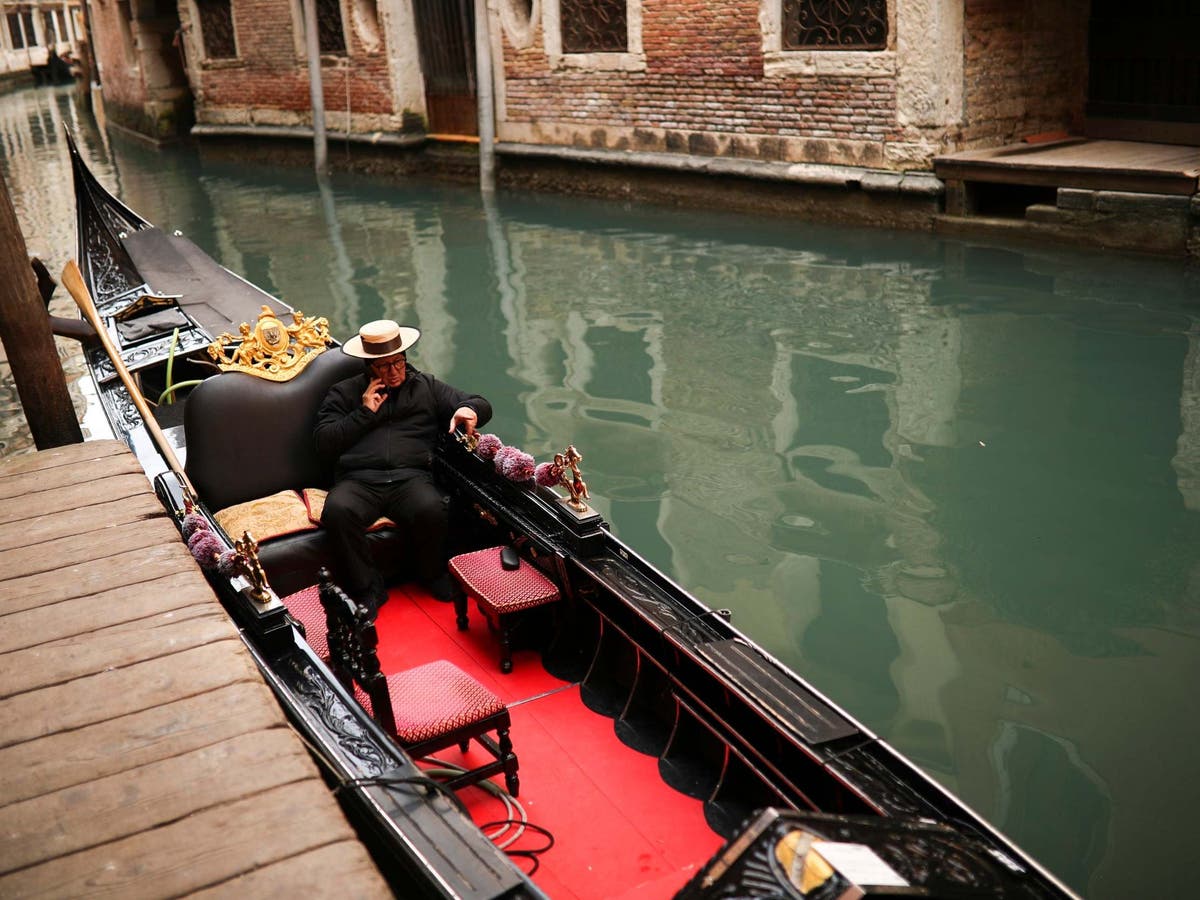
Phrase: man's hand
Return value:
(375, 394)
(464, 416)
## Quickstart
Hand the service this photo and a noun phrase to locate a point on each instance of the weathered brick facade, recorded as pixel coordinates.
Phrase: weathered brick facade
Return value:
(702, 89)
(268, 81)
(139, 68)
(700, 78)
(703, 102)
(951, 76)
(1026, 69)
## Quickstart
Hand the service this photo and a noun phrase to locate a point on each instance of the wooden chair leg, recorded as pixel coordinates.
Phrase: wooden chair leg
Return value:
(511, 780)
(460, 609)
(505, 741)
(464, 746)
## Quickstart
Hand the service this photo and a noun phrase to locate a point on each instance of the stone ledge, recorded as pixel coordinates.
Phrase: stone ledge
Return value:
(872, 180)
(306, 133)
(1126, 202)
(1075, 198)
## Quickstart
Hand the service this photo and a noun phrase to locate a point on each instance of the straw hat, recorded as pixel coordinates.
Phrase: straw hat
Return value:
(381, 338)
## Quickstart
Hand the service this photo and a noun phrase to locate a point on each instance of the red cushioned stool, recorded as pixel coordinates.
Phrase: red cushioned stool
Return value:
(499, 593)
(305, 607)
(427, 708)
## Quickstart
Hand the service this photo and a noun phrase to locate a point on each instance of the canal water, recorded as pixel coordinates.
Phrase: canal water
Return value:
(955, 485)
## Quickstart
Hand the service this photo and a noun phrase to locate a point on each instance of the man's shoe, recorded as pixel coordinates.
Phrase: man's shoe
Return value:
(372, 601)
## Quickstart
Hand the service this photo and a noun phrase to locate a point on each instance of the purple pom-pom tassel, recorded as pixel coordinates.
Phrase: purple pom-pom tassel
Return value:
(192, 523)
(227, 563)
(500, 459)
(546, 474)
(206, 547)
(489, 445)
(518, 466)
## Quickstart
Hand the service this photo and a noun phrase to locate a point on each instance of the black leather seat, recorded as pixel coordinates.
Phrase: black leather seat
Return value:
(248, 438)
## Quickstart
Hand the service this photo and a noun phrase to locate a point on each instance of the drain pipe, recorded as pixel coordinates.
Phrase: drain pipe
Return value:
(483, 90)
(315, 89)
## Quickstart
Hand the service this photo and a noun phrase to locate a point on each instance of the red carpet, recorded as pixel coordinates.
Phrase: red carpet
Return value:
(619, 831)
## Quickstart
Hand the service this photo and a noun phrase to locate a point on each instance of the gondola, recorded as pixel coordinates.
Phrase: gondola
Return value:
(789, 795)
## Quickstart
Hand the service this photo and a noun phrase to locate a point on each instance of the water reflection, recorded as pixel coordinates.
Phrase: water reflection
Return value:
(954, 485)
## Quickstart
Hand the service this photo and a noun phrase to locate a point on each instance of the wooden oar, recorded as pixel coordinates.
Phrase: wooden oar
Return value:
(73, 280)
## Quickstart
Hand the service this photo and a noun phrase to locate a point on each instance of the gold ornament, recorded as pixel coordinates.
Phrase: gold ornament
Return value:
(271, 349)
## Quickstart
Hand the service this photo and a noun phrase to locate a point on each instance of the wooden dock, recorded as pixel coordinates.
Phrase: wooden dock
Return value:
(141, 753)
(1097, 165)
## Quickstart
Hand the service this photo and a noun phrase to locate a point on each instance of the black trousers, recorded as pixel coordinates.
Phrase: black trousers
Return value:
(417, 506)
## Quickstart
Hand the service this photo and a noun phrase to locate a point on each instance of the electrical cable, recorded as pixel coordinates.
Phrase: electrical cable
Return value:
(532, 853)
(424, 780)
(522, 824)
(511, 805)
(499, 793)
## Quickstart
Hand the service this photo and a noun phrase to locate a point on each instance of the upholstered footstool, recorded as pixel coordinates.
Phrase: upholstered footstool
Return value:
(501, 594)
(305, 607)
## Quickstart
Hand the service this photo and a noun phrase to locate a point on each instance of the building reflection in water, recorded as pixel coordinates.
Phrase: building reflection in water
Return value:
(952, 485)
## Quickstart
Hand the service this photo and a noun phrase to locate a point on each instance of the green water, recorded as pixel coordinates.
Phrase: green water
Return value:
(955, 485)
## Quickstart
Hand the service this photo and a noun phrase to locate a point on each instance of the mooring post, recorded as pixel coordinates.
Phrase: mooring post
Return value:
(316, 90)
(25, 332)
(484, 87)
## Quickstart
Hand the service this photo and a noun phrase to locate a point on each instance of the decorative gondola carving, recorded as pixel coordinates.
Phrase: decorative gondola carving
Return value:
(150, 352)
(112, 276)
(270, 349)
(882, 786)
(339, 721)
(688, 627)
(146, 301)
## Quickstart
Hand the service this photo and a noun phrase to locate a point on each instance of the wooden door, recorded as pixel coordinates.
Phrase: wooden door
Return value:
(446, 40)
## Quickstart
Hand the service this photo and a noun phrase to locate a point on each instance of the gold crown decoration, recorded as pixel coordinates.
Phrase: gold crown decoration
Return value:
(271, 349)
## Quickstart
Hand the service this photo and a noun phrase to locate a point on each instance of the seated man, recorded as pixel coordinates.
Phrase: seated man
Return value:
(381, 427)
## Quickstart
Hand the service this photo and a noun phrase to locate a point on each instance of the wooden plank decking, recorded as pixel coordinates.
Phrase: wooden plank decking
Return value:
(1135, 166)
(141, 753)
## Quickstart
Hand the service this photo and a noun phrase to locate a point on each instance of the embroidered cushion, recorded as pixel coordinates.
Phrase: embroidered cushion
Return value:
(314, 501)
(483, 577)
(267, 517)
(305, 607)
(434, 699)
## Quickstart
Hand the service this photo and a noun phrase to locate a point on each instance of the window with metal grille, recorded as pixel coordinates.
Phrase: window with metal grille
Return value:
(329, 27)
(835, 24)
(594, 26)
(14, 31)
(216, 28)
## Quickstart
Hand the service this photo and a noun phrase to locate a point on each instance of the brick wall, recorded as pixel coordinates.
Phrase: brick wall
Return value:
(707, 82)
(708, 86)
(120, 73)
(268, 83)
(1026, 69)
(703, 90)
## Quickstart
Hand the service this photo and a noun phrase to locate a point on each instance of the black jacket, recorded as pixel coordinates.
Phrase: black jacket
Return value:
(372, 446)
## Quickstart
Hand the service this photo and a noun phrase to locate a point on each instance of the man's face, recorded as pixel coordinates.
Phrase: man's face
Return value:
(391, 369)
